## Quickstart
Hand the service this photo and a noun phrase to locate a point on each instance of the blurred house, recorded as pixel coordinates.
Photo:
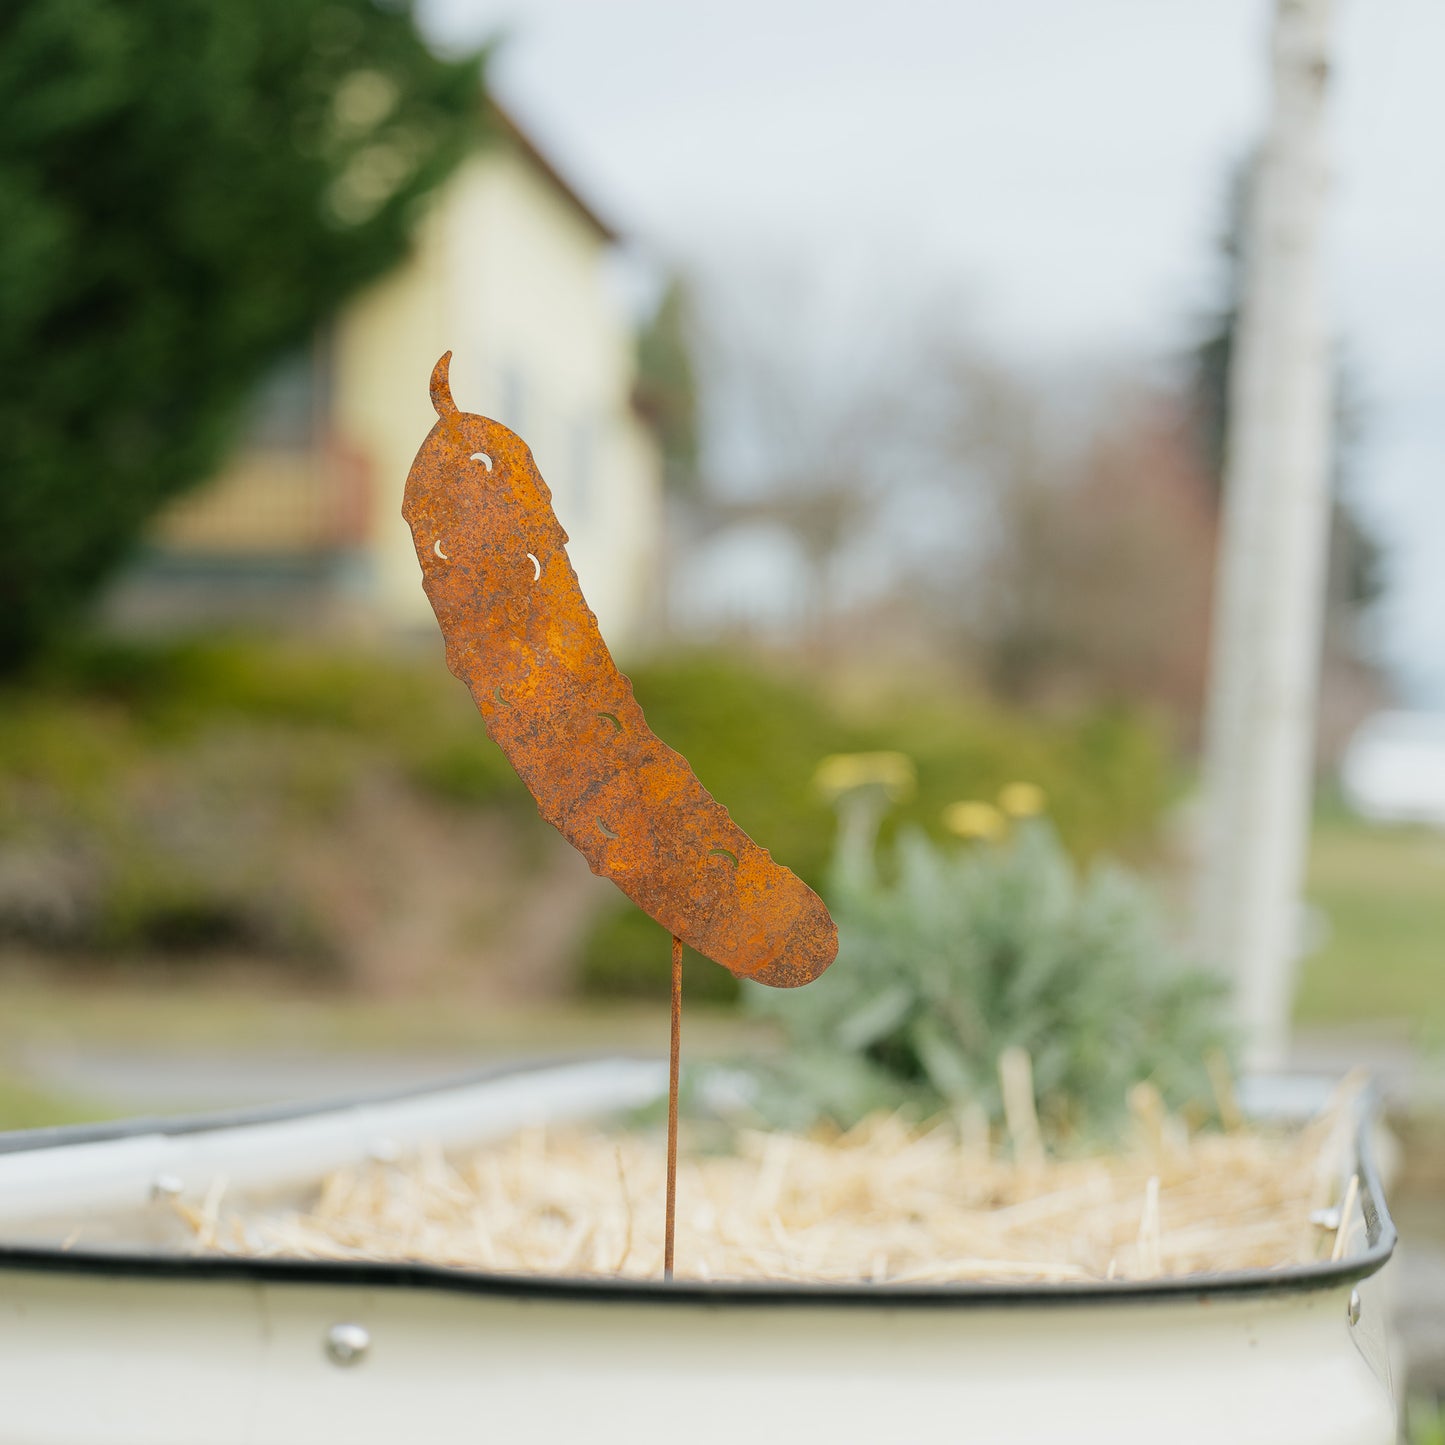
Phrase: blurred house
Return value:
(511, 270)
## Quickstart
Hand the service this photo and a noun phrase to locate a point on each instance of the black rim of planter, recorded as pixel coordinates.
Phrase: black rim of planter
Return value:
(1380, 1240)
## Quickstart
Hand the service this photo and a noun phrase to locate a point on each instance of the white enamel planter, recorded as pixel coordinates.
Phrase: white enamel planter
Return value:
(110, 1332)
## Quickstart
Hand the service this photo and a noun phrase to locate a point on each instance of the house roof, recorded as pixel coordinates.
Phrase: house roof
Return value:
(508, 126)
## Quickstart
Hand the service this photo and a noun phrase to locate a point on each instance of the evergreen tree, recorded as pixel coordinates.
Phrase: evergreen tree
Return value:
(666, 392)
(188, 190)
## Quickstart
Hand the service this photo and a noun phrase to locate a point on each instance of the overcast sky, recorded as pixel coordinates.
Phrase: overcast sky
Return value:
(1057, 165)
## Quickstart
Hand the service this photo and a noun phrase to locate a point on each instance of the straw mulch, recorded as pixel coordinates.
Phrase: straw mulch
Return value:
(884, 1202)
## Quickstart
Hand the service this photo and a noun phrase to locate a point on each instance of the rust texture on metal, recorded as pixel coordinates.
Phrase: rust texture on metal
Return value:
(674, 1074)
(520, 634)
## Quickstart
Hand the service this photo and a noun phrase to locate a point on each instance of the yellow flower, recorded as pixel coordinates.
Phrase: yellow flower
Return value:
(975, 820)
(843, 773)
(1022, 800)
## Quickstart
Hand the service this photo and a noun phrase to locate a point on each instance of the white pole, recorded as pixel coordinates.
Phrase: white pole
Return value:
(1259, 738)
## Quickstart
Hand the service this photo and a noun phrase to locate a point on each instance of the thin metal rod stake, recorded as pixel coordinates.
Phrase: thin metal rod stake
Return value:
(669, 1237)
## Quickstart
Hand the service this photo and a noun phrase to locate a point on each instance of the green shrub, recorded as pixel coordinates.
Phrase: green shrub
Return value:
(627, 955)
(470, 770)
(157, 906)
(156, 695)
(152, 795)
(976, 949)
(755, 737)
(111, 752)
(1107, 774)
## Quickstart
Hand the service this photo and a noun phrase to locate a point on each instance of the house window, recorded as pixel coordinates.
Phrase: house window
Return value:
(287, 404)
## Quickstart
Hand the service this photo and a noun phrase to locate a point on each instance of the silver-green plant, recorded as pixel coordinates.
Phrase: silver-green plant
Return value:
(966, 951)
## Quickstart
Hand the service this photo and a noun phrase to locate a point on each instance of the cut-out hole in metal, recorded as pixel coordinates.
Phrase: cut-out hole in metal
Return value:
(724, 853)
(613, 719)
(536, 566)
(483, 458)
(606, 831)
(497, 693)
(437, 548)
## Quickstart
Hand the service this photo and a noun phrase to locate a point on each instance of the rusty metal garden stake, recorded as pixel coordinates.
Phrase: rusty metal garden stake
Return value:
(674, 1069)
(520, 634)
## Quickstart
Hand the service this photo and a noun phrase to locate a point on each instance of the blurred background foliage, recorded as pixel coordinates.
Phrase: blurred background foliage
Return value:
(999, 572)
(165, 797)
(188, 190)
(175, 797)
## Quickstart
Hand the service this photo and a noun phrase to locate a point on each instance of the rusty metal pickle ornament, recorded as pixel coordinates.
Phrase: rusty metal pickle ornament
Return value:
(521, 636)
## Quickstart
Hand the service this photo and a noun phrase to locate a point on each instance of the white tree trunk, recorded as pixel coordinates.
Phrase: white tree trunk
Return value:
(1269, 606)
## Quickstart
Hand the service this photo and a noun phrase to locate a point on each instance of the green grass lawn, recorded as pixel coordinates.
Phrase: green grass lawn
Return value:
(1382, 893)
(264, 1016)
(261, 1019)
(24, 1105)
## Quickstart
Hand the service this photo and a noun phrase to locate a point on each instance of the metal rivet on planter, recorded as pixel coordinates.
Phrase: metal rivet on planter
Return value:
(347, 1344)
(1354, 1310)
